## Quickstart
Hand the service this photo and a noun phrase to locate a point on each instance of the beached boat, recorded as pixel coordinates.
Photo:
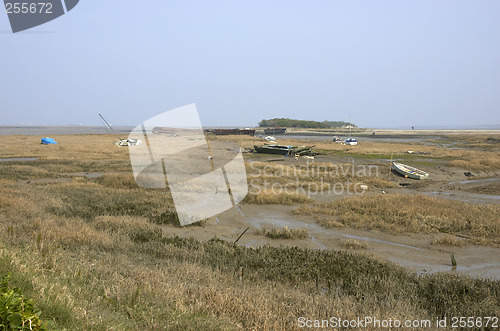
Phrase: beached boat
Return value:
(351, 141)
(283, 150)
(274, 131)
(122, 142)
(128, 142)
(408, 171)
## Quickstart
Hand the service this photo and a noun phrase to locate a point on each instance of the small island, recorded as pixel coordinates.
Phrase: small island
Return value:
(291, 123)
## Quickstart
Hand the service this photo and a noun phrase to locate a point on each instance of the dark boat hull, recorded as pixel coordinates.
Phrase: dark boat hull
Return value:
(274, 131)
(249, 132)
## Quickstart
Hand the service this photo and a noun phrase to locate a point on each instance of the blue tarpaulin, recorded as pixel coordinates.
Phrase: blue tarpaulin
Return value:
(48, 141)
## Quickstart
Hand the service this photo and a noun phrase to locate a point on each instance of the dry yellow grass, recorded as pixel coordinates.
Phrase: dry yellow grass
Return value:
(266, 197)
(354, 244)
(407, 214)
(274, 182)
(483, 163)
(284, 233)
(448, 240)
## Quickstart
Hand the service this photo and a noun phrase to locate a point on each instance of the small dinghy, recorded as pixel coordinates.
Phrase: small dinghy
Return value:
(351, 141)
(408, 171)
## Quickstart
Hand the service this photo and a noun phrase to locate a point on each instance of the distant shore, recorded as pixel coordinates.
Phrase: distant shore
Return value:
(357, 132)
(384, 133)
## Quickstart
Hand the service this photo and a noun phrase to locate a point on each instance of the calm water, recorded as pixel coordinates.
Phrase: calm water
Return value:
(61, 130)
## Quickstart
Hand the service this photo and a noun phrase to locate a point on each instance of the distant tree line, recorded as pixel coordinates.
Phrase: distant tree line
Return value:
(289, 123)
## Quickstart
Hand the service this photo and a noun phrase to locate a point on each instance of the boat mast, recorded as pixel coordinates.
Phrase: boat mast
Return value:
(110, 127)
(350, 126)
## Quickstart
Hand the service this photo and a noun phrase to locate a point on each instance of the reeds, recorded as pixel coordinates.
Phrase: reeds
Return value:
(354, 244)
(407, 214)
(284, 233)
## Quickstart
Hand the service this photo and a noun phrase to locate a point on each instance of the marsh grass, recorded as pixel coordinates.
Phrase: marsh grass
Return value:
(88, 199)
(284, 233)
(294, 183)
(354, 244)
(173, 282)
(119, 181)
(448, 240)
(269, 197)
(484, 163)
(405, 214)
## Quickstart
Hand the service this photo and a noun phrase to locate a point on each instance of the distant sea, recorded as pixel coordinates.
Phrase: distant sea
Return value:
(61, 130)
(443, 127)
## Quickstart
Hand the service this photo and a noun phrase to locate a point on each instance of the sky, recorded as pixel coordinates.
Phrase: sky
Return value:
(380, 63)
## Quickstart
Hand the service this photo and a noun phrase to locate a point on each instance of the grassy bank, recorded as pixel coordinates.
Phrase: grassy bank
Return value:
(173, 283)
(92, 259)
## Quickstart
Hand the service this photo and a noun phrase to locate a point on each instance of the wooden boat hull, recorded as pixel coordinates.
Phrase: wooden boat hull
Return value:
(408, 171)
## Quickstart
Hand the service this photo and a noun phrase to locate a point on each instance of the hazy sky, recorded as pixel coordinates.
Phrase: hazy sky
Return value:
(388, 63)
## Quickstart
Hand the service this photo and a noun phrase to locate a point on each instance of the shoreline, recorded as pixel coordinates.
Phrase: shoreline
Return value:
(291, 132)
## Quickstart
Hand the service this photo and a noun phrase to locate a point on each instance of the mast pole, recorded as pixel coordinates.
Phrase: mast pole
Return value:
(110, 127)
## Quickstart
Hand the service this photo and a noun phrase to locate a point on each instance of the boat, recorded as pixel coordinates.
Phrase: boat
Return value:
(274, 131)
(128, 142)
(122, 142)
(270, 138)
(246, 131)
(408, 171)
(283, 150)
(48, 141)
(351, 141)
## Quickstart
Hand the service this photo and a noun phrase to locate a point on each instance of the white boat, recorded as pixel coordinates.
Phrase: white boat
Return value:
(408, 171)
(351, 141)
(122, 142)
(128, 142)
